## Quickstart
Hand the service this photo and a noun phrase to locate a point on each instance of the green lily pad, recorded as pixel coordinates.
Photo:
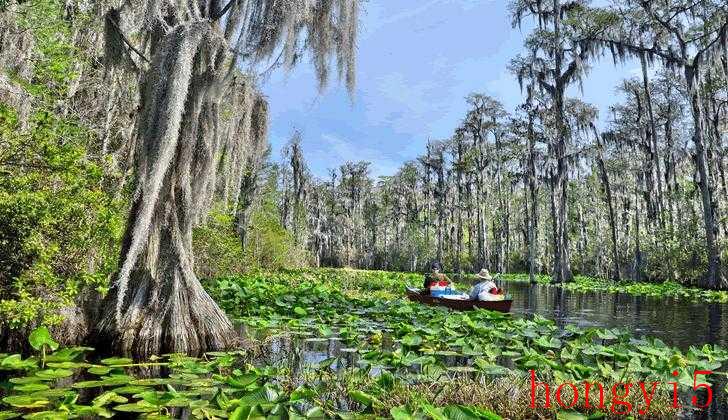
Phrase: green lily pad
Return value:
(25, 401)
(41, 337)
(130, 389)
(51, 374)
(138, 407)
(114, 361)
(31, 387)
(25, 380)
(99, 370)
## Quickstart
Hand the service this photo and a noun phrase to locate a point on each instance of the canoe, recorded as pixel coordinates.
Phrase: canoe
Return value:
(459, 305)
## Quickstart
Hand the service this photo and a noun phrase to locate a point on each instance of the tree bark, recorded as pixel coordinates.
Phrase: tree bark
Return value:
(607, 190)
(709, 218)
(533, 194)
(654, 153)
(156, 304)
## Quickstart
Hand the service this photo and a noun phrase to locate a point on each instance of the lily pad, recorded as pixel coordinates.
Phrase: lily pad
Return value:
(114, 361)
(40, 338)
(25, 401)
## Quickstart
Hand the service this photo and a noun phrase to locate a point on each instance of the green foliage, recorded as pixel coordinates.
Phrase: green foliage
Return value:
(411, 348)
(41, 340)
(219, 385)
(217, 247)
(269, 245)
(427, 336)
(59, 229)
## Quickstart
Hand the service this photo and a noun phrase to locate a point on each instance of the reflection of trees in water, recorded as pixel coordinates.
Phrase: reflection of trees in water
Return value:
(715, 325)
(559, 307)
(677, 322)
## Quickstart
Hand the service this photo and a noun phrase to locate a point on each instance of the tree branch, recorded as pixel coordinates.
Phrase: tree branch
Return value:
(222, 11)
(126, 41)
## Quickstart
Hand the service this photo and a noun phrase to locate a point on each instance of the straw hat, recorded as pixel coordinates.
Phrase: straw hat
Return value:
(484, 274)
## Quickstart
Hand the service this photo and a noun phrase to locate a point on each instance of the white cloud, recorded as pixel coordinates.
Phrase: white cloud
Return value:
(332, 151)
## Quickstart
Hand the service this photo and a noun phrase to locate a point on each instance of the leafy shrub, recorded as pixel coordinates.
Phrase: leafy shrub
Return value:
(59, 228)
(218, 251)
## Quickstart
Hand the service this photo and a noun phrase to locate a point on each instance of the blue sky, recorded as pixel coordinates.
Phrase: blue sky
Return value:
(417, 60)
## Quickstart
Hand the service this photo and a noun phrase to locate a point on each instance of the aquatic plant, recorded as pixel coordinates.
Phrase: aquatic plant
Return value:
(63, 384)
(493, 343)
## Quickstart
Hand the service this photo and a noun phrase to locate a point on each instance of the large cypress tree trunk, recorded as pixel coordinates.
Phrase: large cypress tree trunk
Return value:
(156, 304)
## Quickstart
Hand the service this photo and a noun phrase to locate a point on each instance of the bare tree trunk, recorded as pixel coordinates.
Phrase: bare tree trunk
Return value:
(607, 189)
(533, 225)
(655, 153)
(562, 263)
(637, 247)
(709, 217)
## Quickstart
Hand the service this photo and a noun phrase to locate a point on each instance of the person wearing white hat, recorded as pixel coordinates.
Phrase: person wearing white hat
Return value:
(486, 289)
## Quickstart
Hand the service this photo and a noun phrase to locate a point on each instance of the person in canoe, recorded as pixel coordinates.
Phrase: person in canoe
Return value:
(437, 284)
(486, 289)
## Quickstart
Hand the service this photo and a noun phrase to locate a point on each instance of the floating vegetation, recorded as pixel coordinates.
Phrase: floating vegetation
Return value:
(491, 343)
(393, 358)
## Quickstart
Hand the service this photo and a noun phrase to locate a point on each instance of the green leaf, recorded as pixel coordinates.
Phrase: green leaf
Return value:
(31, 387)
(246, 412)
(25, 380)
(42, 337)
(51, 374)
(25, 401)
(315, 413)
(138, 407)
(221, 399)
(241, 381)
(412, 340)
(129, 389)
(88, 384)
(109, 397)
(401, 413)
(300, 311)
(363, 398)
(302, 393)
(99, 370)
(461, 412)
(114, 361)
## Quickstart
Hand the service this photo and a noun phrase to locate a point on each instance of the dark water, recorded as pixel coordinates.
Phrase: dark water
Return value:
(678, 323)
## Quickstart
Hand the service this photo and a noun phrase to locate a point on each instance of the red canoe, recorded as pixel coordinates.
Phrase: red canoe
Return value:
(460, 305)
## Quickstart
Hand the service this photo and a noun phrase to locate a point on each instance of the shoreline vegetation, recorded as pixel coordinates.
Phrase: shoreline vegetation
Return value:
(396, 358)
(669, 289)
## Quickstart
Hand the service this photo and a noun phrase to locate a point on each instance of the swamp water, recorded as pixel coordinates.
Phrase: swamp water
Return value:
(678, 323)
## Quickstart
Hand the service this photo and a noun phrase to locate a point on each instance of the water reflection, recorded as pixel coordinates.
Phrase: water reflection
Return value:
(678, 323)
